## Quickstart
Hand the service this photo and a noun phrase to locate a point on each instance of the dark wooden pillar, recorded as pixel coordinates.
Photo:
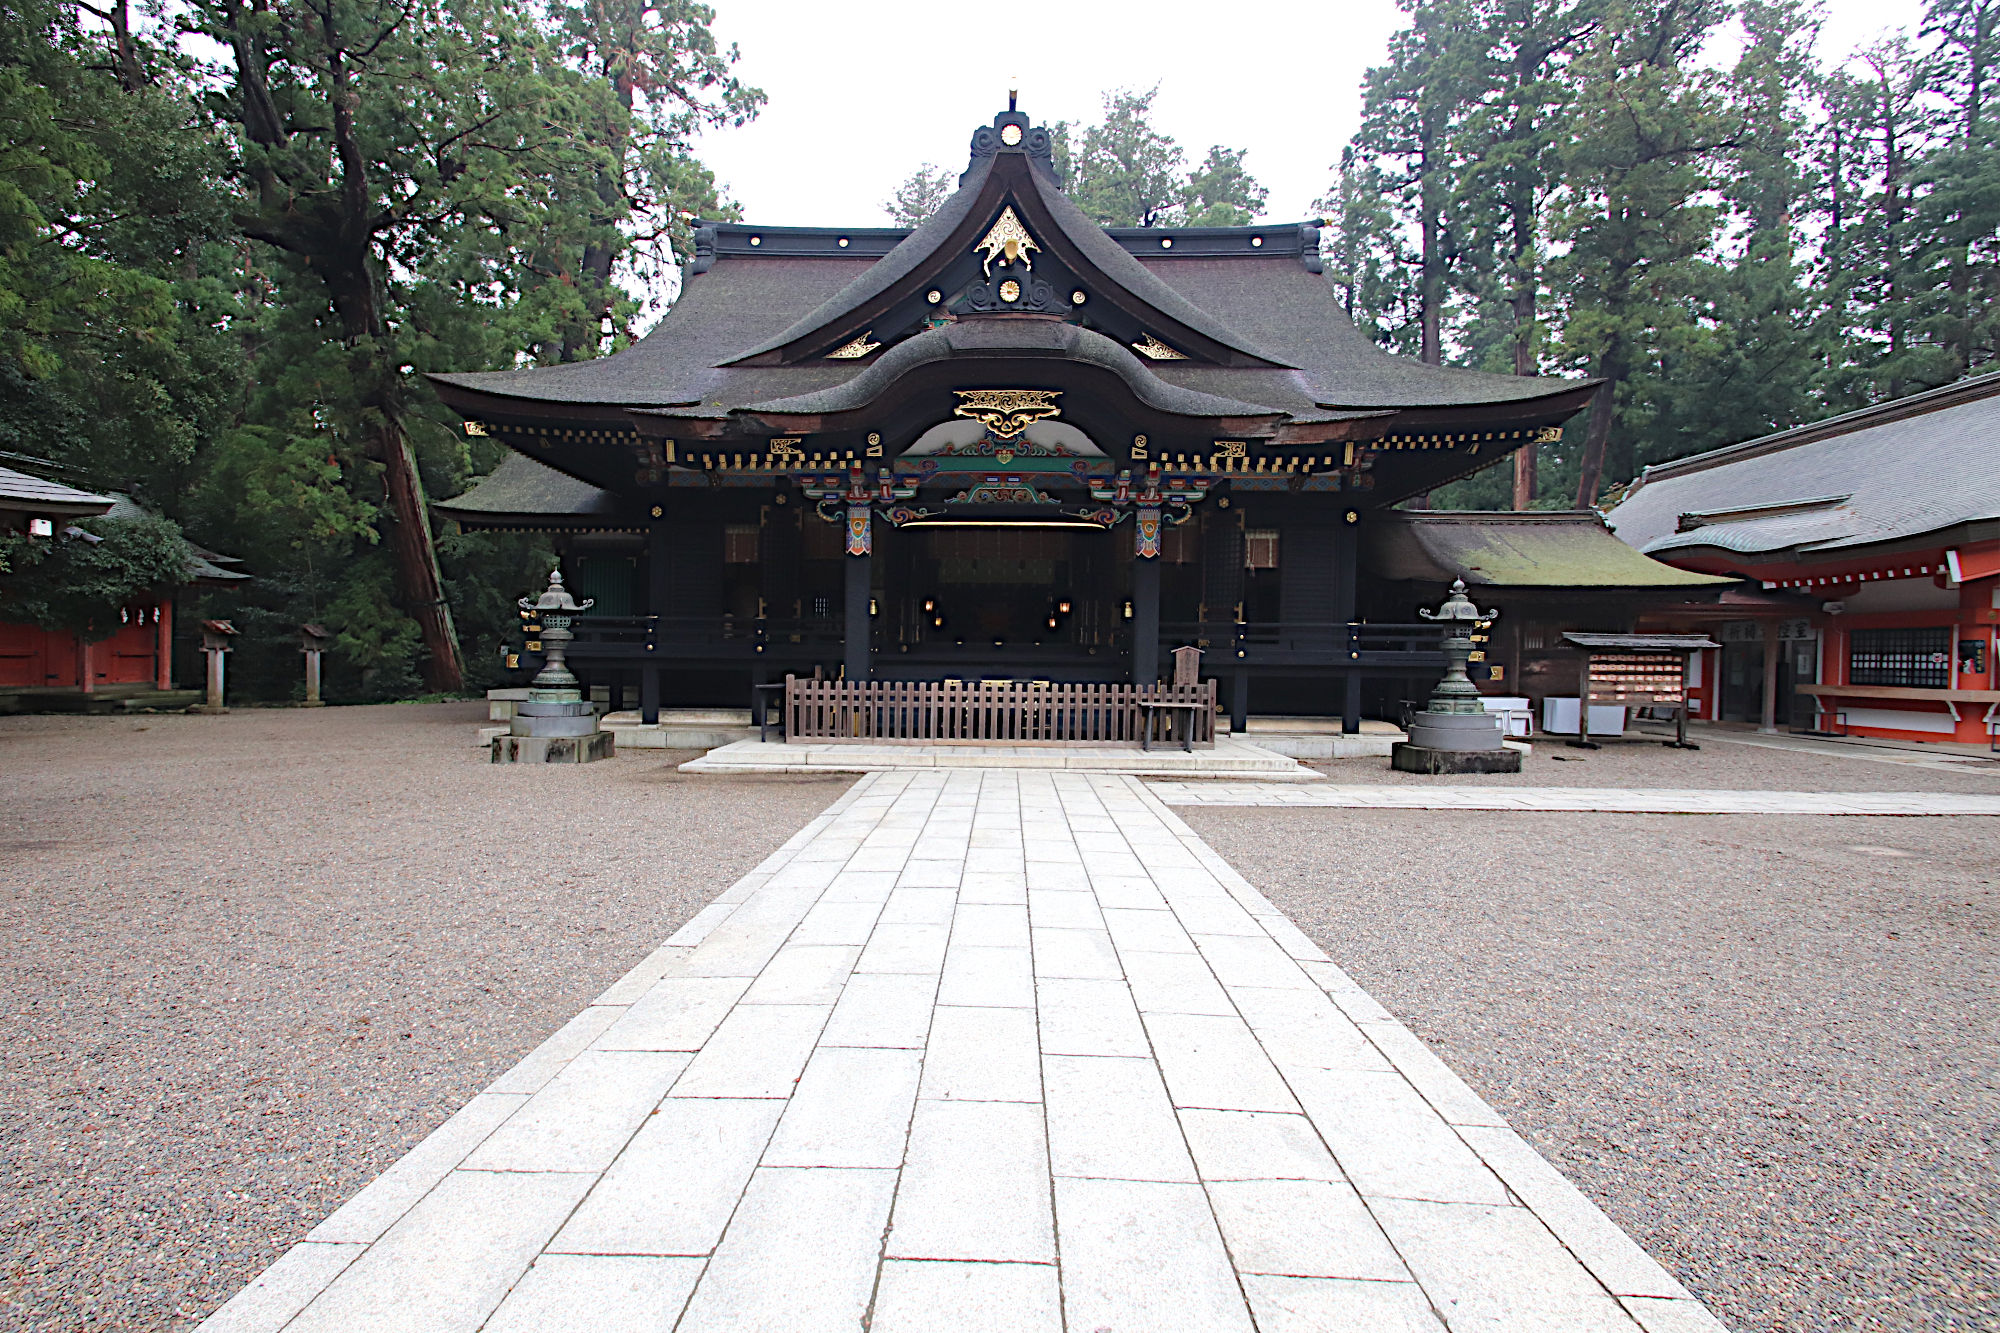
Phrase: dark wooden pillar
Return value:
(778, 555)
(857, 569)
(659, 579)
(1767, 720)
(1346, 558)
(1239, 704)
(1222, 567)
(1145, 620)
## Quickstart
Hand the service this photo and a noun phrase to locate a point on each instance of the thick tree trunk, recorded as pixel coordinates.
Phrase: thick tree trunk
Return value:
(1596, 436)
(420, 584)
(1524, 476)
(1525, 459)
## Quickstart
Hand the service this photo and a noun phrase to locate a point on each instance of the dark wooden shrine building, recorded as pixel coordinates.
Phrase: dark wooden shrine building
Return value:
(1007, 443)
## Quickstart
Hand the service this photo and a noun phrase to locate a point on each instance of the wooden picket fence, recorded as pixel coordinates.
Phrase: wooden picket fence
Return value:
(977, 712)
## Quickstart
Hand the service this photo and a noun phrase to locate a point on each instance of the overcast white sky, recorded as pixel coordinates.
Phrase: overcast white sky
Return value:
(861, 93)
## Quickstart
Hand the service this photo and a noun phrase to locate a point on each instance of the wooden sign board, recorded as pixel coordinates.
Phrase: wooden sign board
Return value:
(1637, 679)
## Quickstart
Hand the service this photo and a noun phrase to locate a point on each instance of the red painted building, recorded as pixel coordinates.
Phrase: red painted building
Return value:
(1876, 536)
(139, 652)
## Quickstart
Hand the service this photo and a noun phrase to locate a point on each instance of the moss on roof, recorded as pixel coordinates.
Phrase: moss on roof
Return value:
(1565, 549)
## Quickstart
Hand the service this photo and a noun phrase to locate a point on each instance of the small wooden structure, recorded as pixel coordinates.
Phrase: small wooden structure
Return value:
(979, 712)
(1640, 670)
(1187, 673)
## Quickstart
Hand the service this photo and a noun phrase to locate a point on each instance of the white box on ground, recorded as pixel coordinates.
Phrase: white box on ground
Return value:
(1517, 715)
(1560, 717)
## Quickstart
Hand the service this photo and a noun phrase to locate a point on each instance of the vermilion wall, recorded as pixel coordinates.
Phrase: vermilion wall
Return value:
(1976, 618)
(138, 654)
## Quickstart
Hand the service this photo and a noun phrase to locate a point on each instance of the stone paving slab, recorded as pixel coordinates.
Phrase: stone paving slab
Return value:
(976, 1050)
(1228, 756)
(1607, 800)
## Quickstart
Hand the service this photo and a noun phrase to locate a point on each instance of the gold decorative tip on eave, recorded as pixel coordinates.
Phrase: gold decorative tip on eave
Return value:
(1153, 349)
(1547, 435)
(475, 428)
(1009, 239)
(860, 347)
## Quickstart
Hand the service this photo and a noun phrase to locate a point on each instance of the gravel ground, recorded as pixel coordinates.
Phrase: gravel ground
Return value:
(1719, 763)
(1766, 1046)
(252, 959)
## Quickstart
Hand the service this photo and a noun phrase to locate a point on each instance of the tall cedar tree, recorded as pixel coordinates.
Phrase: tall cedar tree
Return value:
(1124, 172)
(1508, 144)
(920, 196)
(1632, 224)
(1411, 109)
(1737, 245)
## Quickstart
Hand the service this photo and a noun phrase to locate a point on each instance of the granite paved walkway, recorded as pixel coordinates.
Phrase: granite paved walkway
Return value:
(975, 1051)
(1610, 800)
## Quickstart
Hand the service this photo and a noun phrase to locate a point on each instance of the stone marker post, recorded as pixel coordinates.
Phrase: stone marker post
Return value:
(215, 637)
(313, 640)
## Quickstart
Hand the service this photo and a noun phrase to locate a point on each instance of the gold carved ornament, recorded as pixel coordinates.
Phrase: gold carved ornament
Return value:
(1007, 412)
(855, 350)
(1153, 349)
(785, 451)
(1009, 239)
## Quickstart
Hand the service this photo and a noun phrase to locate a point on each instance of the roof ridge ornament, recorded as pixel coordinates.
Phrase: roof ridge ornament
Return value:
(1009, 238)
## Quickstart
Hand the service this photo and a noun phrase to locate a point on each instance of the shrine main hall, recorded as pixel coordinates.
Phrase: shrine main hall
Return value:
(1008, 443)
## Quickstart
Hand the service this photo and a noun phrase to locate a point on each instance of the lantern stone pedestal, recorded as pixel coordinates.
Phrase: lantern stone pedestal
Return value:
(555, 724)
(1455, 733)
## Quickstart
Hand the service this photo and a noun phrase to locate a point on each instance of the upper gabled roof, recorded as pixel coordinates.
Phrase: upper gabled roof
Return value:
(1892, 472)
(1234, 323)
(1008, 178)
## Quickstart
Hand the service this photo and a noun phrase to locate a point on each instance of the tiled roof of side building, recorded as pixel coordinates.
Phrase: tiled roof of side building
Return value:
(521, 488)
(1893, 472)
(203, 565)
(21, 492)
(1564, 549)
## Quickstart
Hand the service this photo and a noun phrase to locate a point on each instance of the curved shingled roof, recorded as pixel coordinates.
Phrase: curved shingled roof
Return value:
(1888, 473)
(521, 489)
(997, 338)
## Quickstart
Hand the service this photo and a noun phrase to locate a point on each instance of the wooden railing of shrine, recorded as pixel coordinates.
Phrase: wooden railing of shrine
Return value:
(1309, 643)
(977, 712)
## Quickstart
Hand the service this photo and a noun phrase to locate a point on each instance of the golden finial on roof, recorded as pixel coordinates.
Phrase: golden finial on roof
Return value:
(1008, 238)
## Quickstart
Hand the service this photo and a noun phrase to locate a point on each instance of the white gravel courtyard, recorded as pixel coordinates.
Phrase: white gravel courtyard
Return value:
(975, 1050)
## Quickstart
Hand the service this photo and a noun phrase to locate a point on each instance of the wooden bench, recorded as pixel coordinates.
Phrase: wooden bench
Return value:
(1951, 699)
